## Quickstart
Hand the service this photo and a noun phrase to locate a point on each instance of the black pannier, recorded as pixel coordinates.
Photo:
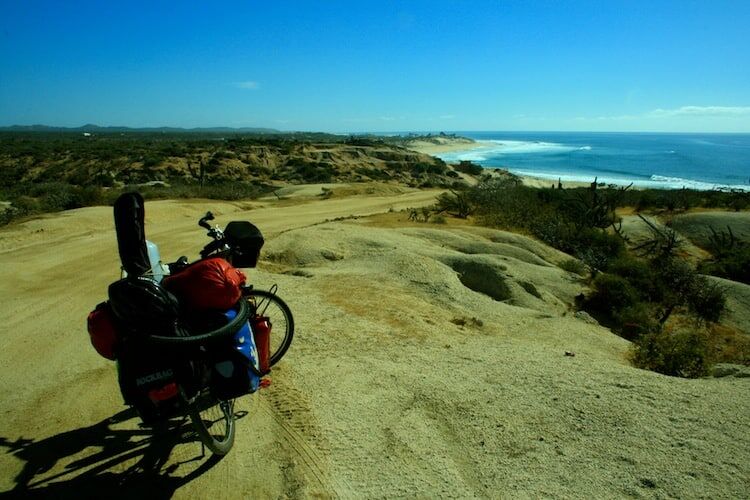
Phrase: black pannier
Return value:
(246, 241)
(131, 234)
(150, 379)
(141, 304)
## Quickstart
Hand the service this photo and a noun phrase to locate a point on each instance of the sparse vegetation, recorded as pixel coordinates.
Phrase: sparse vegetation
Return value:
(642, 294)
(682, 353)
(574, 266)
(456, 203)
(731, 257)
(44, 172)
(468, 167)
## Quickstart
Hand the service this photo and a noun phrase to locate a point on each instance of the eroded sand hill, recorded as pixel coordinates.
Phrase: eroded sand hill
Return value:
(428, 361)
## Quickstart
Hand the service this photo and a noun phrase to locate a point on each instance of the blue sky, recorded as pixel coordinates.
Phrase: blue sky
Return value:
(379, 66)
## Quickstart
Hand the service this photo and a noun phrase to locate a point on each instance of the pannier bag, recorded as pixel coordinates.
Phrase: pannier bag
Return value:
(235, 369)
(208, 284)
(140, 304)
(246, 241)
(150, 380)
(131, 235)
(102, 332)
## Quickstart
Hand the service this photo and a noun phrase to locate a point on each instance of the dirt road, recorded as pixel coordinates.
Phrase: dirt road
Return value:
(54, 387)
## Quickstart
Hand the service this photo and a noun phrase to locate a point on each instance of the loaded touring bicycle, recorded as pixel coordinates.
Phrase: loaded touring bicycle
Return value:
(189, 338)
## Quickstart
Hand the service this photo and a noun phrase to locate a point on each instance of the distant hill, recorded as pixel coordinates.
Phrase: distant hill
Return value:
(91, 128)
(39, 154)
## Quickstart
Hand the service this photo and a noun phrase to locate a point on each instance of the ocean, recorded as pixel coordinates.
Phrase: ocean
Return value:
(667, 161)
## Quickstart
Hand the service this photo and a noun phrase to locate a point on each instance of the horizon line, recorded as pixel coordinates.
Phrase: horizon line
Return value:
(399, 132)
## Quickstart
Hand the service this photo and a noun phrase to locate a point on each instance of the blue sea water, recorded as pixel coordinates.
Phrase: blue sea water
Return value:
(669, 161)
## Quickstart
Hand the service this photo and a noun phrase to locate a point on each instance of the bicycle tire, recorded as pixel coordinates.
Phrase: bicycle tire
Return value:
(229, 329)
(214, 423)
(265, 303)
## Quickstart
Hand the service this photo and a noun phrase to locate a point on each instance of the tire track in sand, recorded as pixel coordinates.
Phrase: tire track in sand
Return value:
(289, 408)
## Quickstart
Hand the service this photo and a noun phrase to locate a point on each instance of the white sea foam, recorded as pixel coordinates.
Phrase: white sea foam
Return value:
(523, 147)
(679, 182)
(655, 181)
(493, 148)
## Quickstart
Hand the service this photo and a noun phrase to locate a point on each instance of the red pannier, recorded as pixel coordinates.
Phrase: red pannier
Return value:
(208, 284)
(102, 331)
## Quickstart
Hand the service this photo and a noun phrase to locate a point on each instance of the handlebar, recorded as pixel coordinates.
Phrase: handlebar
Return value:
(203, 222)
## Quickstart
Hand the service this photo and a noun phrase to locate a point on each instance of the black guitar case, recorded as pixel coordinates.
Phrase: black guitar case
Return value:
(131, 235)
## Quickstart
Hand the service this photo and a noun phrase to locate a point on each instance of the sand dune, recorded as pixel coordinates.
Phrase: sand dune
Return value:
(429, 361)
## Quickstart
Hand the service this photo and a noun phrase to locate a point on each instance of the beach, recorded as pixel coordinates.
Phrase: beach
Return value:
(439, 145)
(659, 161)
(462, 146)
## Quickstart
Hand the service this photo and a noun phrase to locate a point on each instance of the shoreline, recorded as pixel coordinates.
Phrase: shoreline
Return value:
(540, 179)
(541, 182)
(444, 145)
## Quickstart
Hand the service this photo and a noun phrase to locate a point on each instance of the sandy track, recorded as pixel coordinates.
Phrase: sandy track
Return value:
(53, 270)
(403, 380)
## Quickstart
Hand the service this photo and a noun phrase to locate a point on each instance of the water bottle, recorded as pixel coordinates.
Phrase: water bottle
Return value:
(154, 259)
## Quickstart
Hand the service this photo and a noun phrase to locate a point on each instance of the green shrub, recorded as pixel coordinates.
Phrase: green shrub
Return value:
(468, 167)
(595, 247)
(554, 231)
(635, 320)
(504, 204)
(739, 201)
(677, 280)
(731, 256)
(640, 275)
(729, 345)
(88, 196)
(707, 300)
(457, 203)
(574, 266)
(7, 215)
(682, 353)
(428, 168)
(57, 198)
(612, 294)
(26, 205)
(646, 200)
(315, 172)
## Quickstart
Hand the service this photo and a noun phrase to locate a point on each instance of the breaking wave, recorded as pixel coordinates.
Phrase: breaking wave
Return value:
(498, 148)
(654, 181)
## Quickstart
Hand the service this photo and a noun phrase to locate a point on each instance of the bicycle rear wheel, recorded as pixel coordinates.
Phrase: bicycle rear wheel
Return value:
(270, 305)
(214, 423)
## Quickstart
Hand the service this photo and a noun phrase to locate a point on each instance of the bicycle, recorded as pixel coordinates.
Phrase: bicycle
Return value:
(195, 395)
(263, 303)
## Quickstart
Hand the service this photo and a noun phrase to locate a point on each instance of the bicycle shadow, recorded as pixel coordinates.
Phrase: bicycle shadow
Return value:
(126, 462)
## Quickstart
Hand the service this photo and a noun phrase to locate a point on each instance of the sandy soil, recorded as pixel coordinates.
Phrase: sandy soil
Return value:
(429, 361)
(443, 145)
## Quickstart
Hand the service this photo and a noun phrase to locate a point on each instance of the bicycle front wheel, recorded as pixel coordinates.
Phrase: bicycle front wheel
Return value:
(267, 304)
(214, 423)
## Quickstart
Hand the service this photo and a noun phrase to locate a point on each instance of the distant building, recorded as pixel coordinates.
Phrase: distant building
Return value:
(87, 134)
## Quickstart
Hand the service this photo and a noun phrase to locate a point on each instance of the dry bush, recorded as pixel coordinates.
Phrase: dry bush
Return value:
(680, 352)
